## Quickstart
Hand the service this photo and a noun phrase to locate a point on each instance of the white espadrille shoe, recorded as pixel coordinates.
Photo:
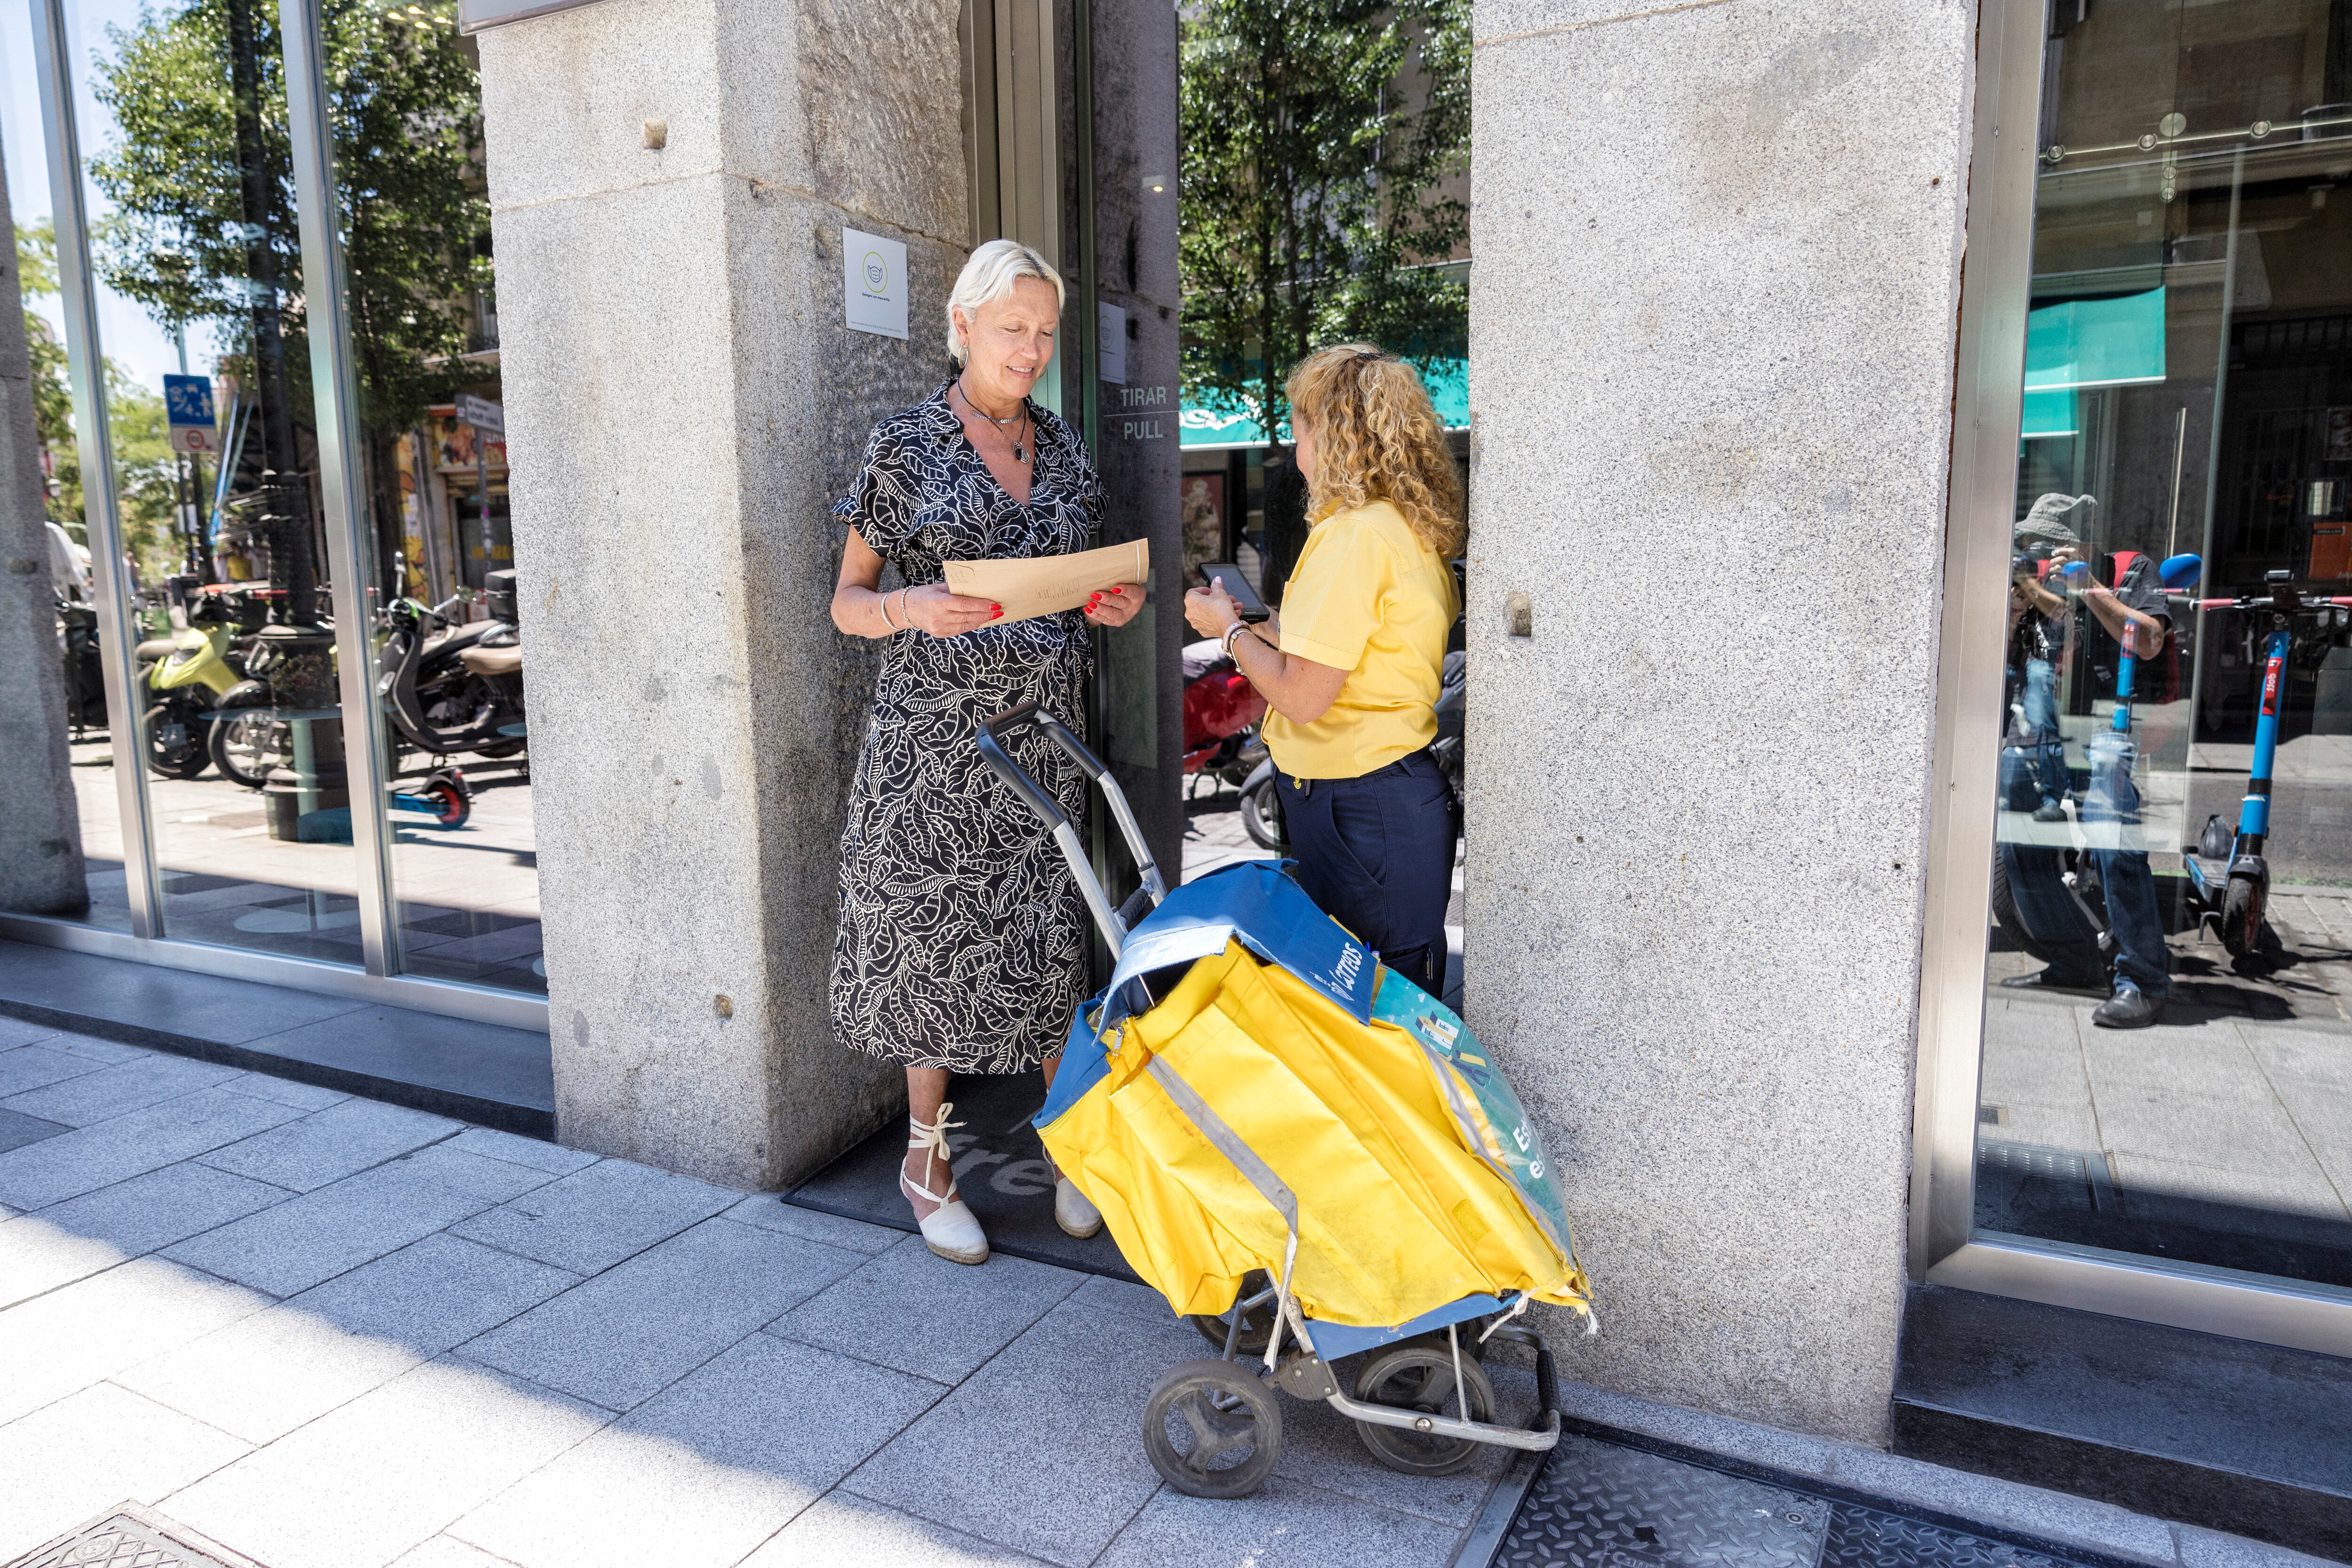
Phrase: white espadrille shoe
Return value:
(951, 1230)
(1073, 1211)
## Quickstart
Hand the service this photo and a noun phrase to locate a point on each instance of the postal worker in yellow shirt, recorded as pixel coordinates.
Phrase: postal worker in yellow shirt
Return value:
(1351, 667)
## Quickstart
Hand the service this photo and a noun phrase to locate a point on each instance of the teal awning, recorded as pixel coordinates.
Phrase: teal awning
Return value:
(1208, 420)
(2079, 345)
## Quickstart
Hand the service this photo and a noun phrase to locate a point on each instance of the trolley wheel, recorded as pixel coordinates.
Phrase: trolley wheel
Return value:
(1418, 1375)
(1257, 1323)
(1212, 1430)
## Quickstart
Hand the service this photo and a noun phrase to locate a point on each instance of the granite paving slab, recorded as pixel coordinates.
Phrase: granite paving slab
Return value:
(1056, 1403)
(708, 1468)
(842, 1530)
(264, 1375)
(30, 1067)
(17, 1129)
(112, 1091)
(387, 1472)
(87, 1452)
(330, 1144)
(769, 1212)
(1287, 1525)
(914, 1311)
(321, 1234)
(599, 1214)
(105, 1153)
(625, 1335)
(55, 1345)
(78, 1237)
(517, 1150)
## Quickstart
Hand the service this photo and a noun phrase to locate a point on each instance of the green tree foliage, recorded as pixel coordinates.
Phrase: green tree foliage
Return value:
(143, 451)
(407, 124)
(1316, 136)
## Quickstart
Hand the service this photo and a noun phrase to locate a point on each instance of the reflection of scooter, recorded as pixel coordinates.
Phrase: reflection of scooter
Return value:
(2113, 757)
(461, 691)
(2227, 871)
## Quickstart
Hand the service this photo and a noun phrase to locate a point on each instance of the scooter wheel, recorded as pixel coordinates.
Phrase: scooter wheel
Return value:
(2242, 918)
(1212, 1430)
(1257, 1323)
(455, 804)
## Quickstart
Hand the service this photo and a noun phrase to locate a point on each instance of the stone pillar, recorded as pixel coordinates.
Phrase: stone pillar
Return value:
(41, 823)
(1712, 339)
(670, 180)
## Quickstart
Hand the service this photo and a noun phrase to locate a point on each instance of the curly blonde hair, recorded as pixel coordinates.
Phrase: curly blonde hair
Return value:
(1376, 438)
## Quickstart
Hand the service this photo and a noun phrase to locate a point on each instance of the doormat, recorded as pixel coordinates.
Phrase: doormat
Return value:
(1000, 1168)
(1605, 1497)
(131, 1536)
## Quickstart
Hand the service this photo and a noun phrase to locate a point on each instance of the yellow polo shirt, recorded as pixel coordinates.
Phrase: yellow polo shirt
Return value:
(1368, 597)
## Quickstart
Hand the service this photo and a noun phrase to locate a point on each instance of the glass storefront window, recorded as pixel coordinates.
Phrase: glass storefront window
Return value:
(255, 788)
(2168, 1046)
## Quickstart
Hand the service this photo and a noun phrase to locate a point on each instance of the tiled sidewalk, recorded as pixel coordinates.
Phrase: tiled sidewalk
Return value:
(332, 1333)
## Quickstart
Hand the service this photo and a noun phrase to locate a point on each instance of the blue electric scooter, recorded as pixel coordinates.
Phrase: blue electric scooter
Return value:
(2227, 872)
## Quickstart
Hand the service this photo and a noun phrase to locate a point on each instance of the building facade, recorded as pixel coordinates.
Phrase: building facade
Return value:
(1835, 373)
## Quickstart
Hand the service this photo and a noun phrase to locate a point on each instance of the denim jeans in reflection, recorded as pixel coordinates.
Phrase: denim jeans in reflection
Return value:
(2040, 701)
(2049, 910)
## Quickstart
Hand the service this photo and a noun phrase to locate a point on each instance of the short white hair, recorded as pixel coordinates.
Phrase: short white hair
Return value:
(988, 277)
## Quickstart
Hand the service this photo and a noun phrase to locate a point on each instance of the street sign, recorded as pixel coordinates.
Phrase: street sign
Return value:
(482, 414)
(188, 409)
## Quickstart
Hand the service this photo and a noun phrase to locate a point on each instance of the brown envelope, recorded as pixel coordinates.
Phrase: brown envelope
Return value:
(1046, 583)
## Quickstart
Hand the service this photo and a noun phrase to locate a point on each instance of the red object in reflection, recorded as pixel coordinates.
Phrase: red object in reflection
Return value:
(1219, 703)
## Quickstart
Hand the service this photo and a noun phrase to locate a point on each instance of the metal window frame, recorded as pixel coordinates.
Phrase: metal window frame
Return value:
(336, 403)
(1946, 1247)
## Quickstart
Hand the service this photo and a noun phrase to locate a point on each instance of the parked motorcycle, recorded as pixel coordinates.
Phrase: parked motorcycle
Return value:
(1222, 710)
(189, 674)
(462, 690)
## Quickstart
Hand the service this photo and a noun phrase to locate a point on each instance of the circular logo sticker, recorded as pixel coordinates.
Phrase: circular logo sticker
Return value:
(878, 273)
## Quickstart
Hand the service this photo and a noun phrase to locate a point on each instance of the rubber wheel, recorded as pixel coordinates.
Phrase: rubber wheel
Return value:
(499, 748)
(1261, 817)
(1212, 1430)
(1257, 1324)
(184, 761)
(454, 807)
(2241, 919)
(1418, 1375)
(240, 750)
(2004, 911)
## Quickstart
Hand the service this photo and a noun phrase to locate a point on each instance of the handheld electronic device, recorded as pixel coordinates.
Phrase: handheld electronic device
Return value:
(1236, 584)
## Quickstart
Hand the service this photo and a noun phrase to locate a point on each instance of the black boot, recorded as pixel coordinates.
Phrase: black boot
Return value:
(2128, 1008)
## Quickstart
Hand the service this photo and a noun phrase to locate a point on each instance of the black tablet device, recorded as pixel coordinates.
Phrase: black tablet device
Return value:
(1236, 584)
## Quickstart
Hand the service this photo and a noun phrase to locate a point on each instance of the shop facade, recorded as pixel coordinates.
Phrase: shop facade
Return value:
(1785, 326)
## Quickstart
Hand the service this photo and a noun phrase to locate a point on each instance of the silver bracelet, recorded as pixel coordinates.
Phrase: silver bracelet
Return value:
(905, 614)
(1236, 629)
(885, 616)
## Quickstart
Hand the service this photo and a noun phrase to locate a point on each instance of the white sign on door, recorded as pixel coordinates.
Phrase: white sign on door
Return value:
(1111, 352)
(874, 284)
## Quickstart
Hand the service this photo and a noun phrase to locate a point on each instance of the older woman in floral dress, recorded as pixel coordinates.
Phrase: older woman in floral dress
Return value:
(962, 944)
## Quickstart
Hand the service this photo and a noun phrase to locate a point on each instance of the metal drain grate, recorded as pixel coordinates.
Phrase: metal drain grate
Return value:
(133, 1537)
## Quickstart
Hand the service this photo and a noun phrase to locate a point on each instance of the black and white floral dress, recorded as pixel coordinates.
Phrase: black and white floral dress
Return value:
(962, 941)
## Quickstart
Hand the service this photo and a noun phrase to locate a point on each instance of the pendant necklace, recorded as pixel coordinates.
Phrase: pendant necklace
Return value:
(1021, 418)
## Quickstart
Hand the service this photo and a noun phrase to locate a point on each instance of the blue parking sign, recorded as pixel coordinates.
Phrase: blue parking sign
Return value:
(188, 400)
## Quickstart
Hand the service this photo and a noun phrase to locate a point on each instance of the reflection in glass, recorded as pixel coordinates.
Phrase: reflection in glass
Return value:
(440, 552)
(2167, 1070)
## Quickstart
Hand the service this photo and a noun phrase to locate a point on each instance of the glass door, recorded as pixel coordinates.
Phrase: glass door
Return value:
(2167, 1059)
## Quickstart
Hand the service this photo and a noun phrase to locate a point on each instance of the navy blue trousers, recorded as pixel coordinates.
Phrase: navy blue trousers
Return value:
(1377, 854)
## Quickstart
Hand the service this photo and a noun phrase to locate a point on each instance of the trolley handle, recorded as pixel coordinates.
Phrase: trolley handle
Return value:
(1114, 923)
(992, 730)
